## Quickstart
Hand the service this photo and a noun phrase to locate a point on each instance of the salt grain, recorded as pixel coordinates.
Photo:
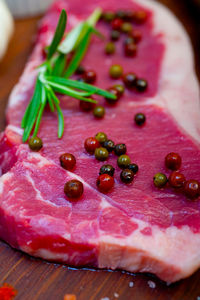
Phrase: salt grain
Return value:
(116, 295)
(105, 298)
(151, 284)
(131, 284)
(198, 298)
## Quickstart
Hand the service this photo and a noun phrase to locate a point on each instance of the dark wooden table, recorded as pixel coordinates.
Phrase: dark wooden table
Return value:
(37, 279)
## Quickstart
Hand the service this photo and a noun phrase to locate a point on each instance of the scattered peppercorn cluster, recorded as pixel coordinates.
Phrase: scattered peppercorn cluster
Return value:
(121, 23)
(177, 180)
(101, 147)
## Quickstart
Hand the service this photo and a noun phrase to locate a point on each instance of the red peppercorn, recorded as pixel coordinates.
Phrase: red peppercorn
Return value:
(176, 179)
(173, 161)
(86, 106)
(130, 80)
(192, 189)
(73, 189)
(91, 144)
(130, 49)
(116, 24)
(89, 76)
(136, 35)
(67, 161)
(140, 17)
(115, 92)
(105, 182)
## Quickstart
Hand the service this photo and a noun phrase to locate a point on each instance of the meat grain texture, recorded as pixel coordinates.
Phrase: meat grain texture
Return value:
(135, 227)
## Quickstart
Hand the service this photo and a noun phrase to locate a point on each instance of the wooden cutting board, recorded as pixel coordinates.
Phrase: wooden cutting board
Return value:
(37, 279)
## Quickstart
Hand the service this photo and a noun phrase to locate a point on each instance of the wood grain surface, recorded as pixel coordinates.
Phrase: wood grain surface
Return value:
(37, 279)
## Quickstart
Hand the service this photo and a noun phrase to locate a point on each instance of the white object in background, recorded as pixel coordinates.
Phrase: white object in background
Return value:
(26, 8)
(6, 27)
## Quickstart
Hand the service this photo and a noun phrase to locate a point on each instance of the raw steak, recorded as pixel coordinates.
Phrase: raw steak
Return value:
(134, 227)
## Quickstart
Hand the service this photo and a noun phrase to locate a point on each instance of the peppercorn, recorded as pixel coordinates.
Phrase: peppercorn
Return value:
(120, 149)
(123, 161)
(109, 145)
(108, 16)
(107, 169)
(99, 111)
(136, 35)
(140, 17)
(140, 119)
(173, 161)
(176, 179)
(126, 27)
(129, 40)
(89, 76)
(126, 176)
(80, 70)
(133, 167)
(192, 189)
(115, 92)
(130, 80)
(110, 48)
(105, 182)
(141, 85)
(130, 49)
(35, 143)
(80, 79)
(86, 106)
(160, 180)
(129, 15)
(91, 144)
(120, 88)
(115, 71)
(101, 153)
(121, 14)
(114, 35)
(67, 161)
(116, 24)
(101, 137)
(73, 189)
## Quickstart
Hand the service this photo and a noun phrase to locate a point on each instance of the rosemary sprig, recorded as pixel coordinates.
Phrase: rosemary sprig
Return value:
(50, 80)
(78, 39)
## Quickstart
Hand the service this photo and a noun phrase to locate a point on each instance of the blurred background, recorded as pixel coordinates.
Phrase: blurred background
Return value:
(26, 8)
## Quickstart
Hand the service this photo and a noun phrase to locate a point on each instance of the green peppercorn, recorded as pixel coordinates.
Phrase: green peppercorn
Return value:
(107, 169)
(110, 48)
(35, 143)
(101, 137)
(160, 180)
(115, 71)
(126, 27)
(120, 149)
(99, 111)
(120, 88)
(101, 153)
(123, 161)
(109, 145)
(127, 176)
(114, 35)
(108, 16)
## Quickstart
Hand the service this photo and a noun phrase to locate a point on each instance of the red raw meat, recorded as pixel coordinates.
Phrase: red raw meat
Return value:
(134, 227)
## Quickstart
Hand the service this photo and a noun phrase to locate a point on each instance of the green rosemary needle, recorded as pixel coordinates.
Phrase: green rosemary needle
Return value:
(51, 75)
